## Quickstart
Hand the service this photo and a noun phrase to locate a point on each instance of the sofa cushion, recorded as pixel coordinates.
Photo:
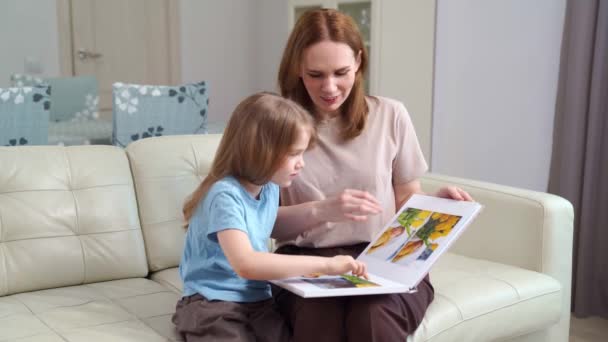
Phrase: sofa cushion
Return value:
(169, 278)
(470, 295)
(68, 216)
(166, 170)
(122, 310)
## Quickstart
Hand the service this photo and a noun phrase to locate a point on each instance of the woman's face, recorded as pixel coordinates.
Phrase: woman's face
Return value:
(328, 71)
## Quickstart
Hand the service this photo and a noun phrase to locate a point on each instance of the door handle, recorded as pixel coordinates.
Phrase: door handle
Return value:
(83, 54)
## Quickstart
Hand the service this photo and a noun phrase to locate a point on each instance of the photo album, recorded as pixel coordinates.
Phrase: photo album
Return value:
(402, 253)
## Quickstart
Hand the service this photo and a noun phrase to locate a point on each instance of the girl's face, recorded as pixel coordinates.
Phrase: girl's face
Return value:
(293, 162)
(328, 71)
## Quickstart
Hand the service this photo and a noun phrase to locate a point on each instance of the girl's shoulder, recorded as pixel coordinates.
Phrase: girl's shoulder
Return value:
(225, 189)
(227, 184)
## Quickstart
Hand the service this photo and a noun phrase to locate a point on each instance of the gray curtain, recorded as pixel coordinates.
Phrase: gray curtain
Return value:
(579, 165)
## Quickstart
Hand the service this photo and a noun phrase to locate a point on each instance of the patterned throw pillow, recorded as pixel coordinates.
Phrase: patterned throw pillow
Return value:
(74, 98)
(142, 111)
(24, 115)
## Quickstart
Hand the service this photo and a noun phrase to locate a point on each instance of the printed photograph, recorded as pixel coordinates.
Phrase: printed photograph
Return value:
(405, 225)
(426, 239)
(341, 282)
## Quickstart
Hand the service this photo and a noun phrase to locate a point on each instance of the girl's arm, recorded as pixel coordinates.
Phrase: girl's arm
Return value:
(354, 205)
(254, 265)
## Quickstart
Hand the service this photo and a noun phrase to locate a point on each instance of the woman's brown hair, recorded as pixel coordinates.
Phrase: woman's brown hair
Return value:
(313, 27)
(259, 135)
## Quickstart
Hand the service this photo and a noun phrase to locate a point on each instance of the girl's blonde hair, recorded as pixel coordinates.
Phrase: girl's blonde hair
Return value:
(258, 137)
(313, 27)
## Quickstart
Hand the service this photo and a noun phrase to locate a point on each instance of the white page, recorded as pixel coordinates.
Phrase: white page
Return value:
(422, 230)
(319, 287)
(411, 268)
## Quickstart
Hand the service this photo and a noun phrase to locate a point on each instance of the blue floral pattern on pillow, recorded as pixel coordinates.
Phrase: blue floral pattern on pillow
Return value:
(74, 98)
(143, 111)
(24, 115)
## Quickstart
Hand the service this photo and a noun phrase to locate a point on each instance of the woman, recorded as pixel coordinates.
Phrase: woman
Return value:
(367, 143)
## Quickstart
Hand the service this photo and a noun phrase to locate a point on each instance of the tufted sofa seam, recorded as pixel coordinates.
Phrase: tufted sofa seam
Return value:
(451, 302)
(5, 267)
(168, 285)
(163, 221)
(75, 235)
(114, 300)
(196, 164)
(5, 280)
(140, 295)
(1, 230)
(68, 190)
(493, 310)
(485, 275)
(34, 335)
(71, 190)
(149, 178)
(110, 323)
(39, 319)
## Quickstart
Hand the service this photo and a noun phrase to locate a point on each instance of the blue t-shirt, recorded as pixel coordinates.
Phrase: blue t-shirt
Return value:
(204, 268)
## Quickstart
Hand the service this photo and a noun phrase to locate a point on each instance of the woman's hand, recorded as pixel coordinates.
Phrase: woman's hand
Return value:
(341, 264)
(354, 205)
(455, 193)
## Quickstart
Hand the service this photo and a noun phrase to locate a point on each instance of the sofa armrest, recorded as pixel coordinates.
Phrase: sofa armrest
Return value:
(519, 227)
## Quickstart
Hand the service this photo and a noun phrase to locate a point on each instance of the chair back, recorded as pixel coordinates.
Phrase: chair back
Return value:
(143, 111)
(24, 115)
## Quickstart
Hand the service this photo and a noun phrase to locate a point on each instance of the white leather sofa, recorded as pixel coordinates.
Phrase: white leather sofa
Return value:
(90, 238)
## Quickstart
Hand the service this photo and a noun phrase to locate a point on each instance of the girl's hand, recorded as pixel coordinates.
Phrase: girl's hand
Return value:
(354, 205)
(341, 264)
(454, 193)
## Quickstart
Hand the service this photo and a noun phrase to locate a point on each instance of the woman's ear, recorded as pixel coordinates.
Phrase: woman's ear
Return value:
(358, 61)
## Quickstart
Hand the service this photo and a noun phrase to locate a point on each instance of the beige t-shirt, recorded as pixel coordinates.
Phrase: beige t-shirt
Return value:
(387, 152)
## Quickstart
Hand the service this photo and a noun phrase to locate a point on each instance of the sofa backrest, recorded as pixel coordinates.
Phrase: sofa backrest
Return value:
(68, 216)
(166, 170)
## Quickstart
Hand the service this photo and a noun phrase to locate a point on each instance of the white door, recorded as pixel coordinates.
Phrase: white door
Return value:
(130, 41)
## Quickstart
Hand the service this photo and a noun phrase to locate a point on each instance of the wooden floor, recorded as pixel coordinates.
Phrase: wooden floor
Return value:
(592, 329)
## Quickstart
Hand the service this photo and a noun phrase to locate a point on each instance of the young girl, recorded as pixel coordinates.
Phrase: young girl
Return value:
(230, 217)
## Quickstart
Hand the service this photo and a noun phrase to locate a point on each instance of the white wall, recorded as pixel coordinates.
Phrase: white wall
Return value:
(496, 69)
(404, 62)
(271, 35)
(495, 87)
(28, 28)
(217, 41)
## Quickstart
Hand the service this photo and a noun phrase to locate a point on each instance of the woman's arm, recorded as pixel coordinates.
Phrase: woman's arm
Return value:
(404, 191)
(354, 205)
(251, 264)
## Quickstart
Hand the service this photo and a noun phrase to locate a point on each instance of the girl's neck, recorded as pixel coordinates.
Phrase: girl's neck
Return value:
(253, 189)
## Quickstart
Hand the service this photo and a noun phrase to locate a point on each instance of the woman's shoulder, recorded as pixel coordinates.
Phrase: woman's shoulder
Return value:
(383, 100)
(387, 108)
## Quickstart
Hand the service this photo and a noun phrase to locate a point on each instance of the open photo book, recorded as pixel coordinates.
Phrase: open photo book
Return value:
(401, 254)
